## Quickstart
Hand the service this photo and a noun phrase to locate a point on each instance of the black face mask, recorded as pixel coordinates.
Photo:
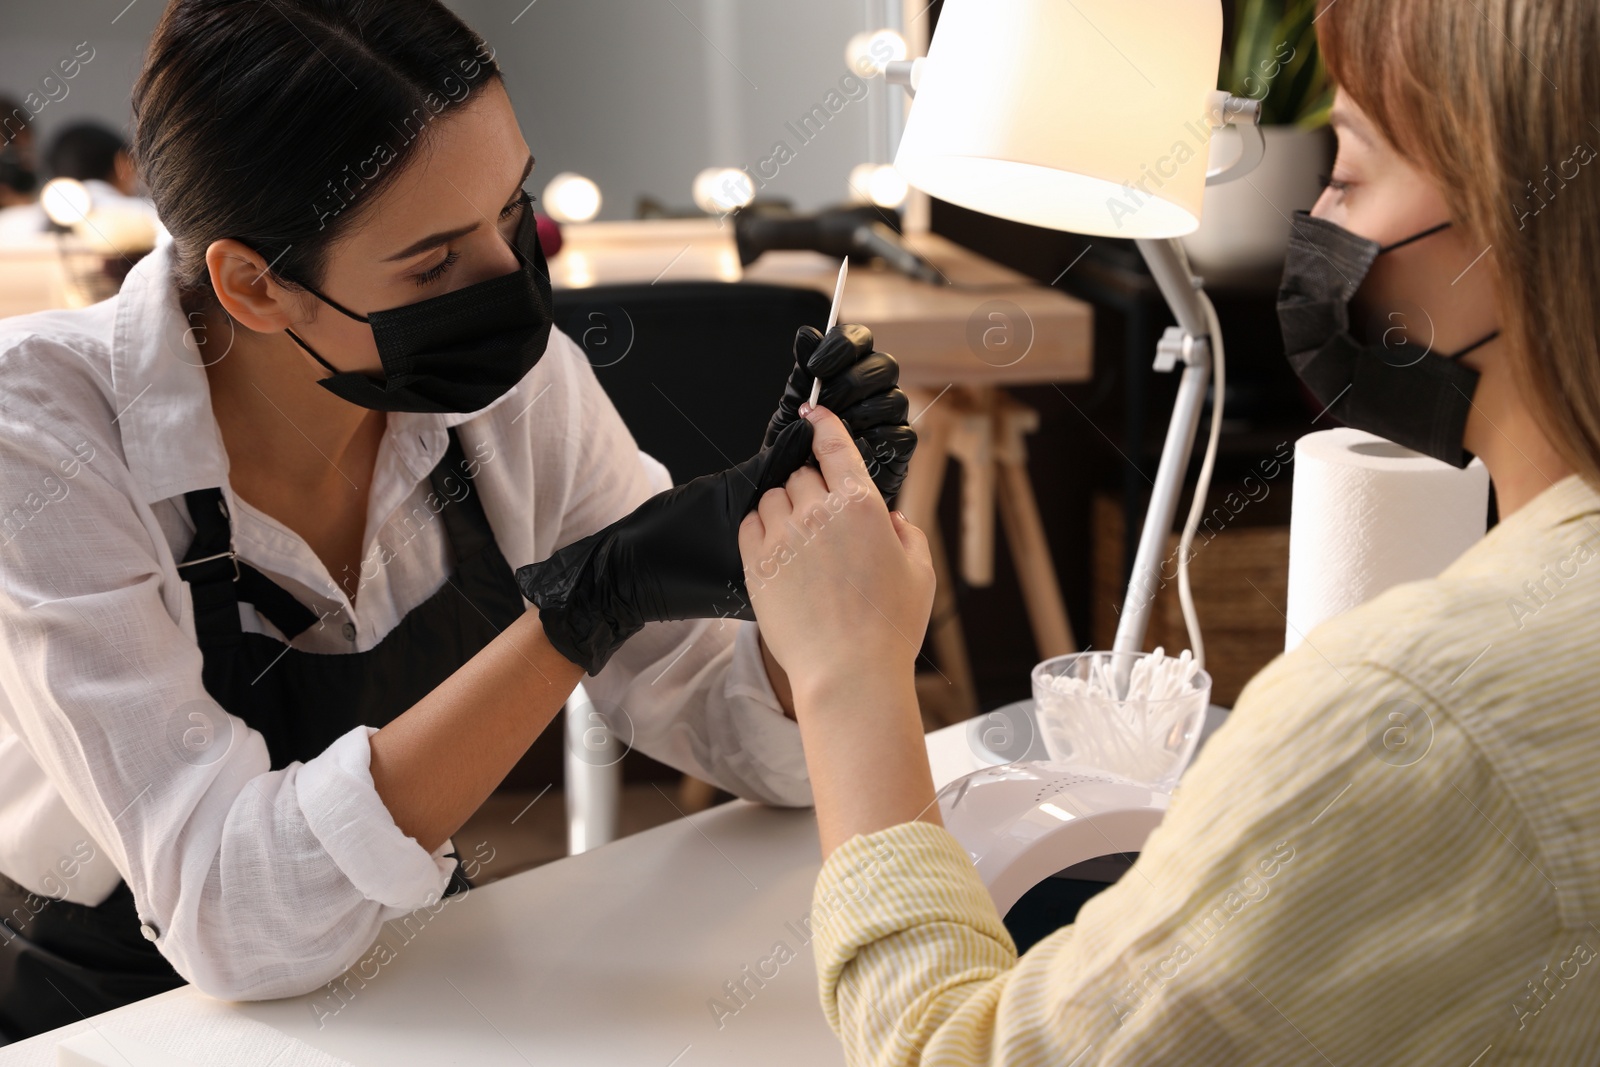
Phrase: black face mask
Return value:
(1421, 404)
(460, 351)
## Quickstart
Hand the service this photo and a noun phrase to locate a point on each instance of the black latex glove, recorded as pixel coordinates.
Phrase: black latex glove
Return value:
(676, 556)
(858, 385)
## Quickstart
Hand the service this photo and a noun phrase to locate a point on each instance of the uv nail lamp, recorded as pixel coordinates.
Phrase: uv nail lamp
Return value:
(1024, 822)
(1023, 818)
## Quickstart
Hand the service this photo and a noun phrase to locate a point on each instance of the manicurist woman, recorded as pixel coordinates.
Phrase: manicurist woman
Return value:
(274, 516)
(1390, 853)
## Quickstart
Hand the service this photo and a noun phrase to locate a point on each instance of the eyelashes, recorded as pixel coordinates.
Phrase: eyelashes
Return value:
(433, 274)
(426, 278)
(1327, 181)
(524, 199)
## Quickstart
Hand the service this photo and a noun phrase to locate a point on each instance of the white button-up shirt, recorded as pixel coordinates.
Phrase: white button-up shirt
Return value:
(116, 764)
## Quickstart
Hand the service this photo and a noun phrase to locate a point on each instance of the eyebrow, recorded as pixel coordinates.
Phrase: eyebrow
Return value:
(446, 236)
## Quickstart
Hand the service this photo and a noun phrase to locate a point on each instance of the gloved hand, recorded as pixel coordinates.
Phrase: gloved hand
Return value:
(676, 556)
(858, 385)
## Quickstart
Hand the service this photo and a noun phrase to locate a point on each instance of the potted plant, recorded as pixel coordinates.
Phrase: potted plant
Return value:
(1271, 57)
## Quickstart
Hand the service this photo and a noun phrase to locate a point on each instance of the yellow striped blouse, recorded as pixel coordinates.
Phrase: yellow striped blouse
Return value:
(1390, 853)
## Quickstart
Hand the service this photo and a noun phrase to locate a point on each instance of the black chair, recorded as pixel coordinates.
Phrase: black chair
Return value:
(694, 368)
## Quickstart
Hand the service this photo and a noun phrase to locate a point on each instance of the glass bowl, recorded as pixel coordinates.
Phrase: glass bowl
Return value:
(1088, 717)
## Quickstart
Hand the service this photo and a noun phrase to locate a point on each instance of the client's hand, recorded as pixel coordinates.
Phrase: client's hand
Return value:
(842, 590)
(838, 584)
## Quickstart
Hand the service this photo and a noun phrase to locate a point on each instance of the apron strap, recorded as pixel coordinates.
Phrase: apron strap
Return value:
(462, 510)
(218, 581)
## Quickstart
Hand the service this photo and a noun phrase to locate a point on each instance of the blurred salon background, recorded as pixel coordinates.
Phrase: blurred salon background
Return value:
(700, 112)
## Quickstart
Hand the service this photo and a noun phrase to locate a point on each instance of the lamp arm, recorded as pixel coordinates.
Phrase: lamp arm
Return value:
(906, 72)
(1170, 268)
(1244, 114)
(1189, 340)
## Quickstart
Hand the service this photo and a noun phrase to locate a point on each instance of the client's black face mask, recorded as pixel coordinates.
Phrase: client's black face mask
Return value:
(460, 351)
(1419, 403)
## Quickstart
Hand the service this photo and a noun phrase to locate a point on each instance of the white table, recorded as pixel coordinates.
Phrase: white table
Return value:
(610, 957)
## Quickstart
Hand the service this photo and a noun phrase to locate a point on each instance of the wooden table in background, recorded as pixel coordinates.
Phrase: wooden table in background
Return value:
(957, 345)
(32, 279)
(926, 327)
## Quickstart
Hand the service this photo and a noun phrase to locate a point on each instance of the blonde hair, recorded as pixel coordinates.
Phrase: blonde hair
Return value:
(1492, 99)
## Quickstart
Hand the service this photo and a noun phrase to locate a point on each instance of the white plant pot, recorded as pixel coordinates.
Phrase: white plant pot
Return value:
(1244, 224)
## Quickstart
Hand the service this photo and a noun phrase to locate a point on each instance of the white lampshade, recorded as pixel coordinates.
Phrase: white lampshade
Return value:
(1088, 116)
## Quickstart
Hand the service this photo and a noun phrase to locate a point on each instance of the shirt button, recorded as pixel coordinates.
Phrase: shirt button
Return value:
(149, 931)
(349, 631)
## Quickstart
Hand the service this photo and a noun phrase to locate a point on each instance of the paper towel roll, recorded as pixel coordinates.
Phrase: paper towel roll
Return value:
(1369, 514)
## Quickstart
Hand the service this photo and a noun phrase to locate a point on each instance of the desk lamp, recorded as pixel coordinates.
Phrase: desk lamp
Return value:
(1094, 116)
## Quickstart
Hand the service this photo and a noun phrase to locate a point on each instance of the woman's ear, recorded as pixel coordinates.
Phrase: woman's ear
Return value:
(247, 290)
(125, 177)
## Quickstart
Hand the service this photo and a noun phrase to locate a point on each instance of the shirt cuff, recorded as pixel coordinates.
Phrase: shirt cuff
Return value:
(877, 885)
(348, 818)
(768, 737)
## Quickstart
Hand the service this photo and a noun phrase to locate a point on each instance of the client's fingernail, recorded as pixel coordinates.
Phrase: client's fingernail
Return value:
(805, 408)
(812, 414)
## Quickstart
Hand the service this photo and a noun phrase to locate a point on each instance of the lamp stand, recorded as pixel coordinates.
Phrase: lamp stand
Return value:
(1188, 341)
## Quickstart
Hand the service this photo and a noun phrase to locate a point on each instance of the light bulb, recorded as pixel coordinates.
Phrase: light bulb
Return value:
(872, 50)
(719, 190)
(65, 201)
(571, 198)
(878, 183)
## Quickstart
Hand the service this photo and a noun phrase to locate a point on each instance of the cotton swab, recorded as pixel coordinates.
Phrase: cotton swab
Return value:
(1135, 730)
(833, 318)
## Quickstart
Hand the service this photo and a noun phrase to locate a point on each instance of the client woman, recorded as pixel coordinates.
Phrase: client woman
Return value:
(1316, 894)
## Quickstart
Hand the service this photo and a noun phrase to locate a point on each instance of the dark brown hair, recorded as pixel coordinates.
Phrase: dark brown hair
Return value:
(277, 123)
(15, 120)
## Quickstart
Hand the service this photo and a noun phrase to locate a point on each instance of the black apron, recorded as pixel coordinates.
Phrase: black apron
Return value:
(61, 961)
